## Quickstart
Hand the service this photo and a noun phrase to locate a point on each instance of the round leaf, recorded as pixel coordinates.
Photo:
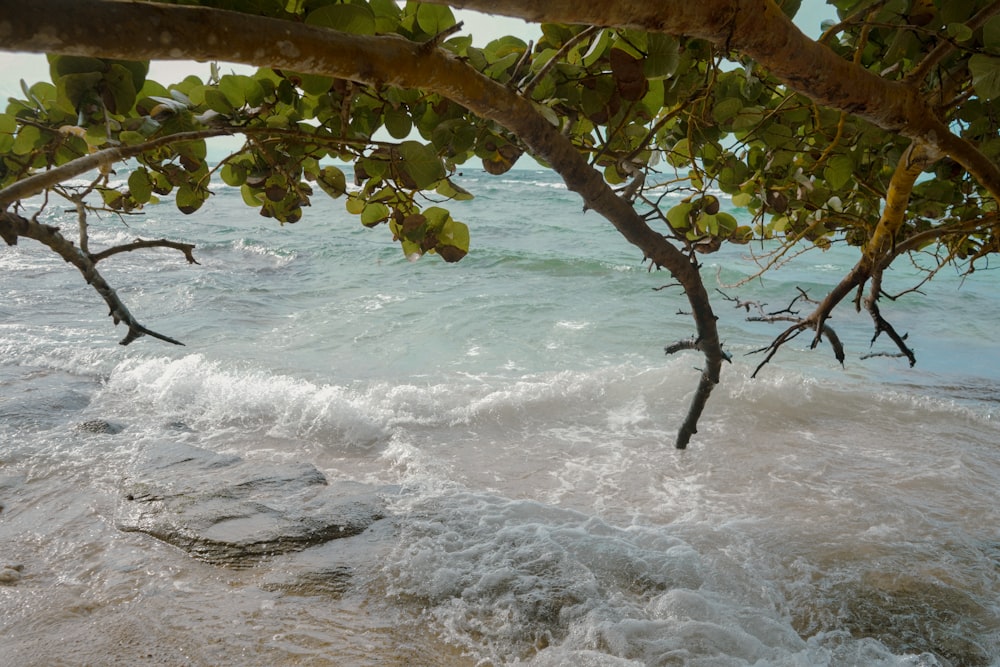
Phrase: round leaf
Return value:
(140, 186)
(434, 19)
(421, 163)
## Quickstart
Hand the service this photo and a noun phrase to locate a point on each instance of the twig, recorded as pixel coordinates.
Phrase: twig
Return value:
(872, 355)
(434, 41)
(570, 43)
(945, 47)
(138, 244)
(689, 344)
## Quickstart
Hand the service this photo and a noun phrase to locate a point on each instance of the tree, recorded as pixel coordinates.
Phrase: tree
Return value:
(881, 134)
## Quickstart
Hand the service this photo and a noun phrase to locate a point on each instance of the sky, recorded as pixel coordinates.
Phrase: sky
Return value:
(34, 67)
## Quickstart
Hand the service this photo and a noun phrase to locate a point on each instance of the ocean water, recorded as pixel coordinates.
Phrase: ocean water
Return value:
(521, 405)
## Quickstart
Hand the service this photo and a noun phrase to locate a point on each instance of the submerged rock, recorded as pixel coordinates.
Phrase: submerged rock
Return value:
(913, 615)
(99, 426)
(10, 574)
(230, 511)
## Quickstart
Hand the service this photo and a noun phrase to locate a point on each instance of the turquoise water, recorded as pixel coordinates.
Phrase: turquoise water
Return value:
(522, 402)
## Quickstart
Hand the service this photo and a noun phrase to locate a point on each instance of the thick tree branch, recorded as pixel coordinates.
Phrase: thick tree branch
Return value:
(14, 226)
(43, 180)
(897, 199)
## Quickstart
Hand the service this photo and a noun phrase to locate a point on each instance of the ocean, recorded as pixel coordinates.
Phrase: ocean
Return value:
(516, 412)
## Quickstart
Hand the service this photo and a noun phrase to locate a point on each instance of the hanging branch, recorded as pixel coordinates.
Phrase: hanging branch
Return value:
(799, 324)
(13, 226)
(881, 324)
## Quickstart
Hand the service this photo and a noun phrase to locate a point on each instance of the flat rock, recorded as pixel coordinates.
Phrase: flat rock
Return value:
(229, 511)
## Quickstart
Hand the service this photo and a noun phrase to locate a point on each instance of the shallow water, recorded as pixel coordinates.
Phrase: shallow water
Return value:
(521, 403)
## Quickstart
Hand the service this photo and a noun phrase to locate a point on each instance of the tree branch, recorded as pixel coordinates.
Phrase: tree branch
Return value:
(761, 31)
(881, 324)
(138, 244)
(32, 185)
(13, 226)
(947, 47)
(563, 50)
(139, 30)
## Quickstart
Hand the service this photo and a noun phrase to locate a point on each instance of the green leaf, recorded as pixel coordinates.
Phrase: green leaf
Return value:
(434, 19)
(313, 84)
(28, 137)
(189, 199)
(452, 191)
(991, 34)
(121, 89)
(662, 56)
(354, 204)
(239, 90)
(454, 136)
(373, 214)
(8, 124)
(985, 75)
(63, 65)
(140, 186)
(679, 216)
(742, 199)
(398, 123)
(233, 174)
(726, 109)
(959, 32)
(333, 181)
(680, 154)
(597, 48)
(252, 197)
(421, 163)
(727, 224)
(839, 171)
(453, 240)
(357, 19)
(216, 100)
(75, 88)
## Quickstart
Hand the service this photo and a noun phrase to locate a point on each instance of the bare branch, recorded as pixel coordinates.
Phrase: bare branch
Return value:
(881, 324)
(13, 226)
(138, 244)
(436, 40)
(872, 355)
(689, 344)
(772, 349)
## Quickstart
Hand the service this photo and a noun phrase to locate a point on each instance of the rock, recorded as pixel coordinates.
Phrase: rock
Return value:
(229, 511)
(329, 569)
(99, 426)
(10, 574)
(913, 615)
